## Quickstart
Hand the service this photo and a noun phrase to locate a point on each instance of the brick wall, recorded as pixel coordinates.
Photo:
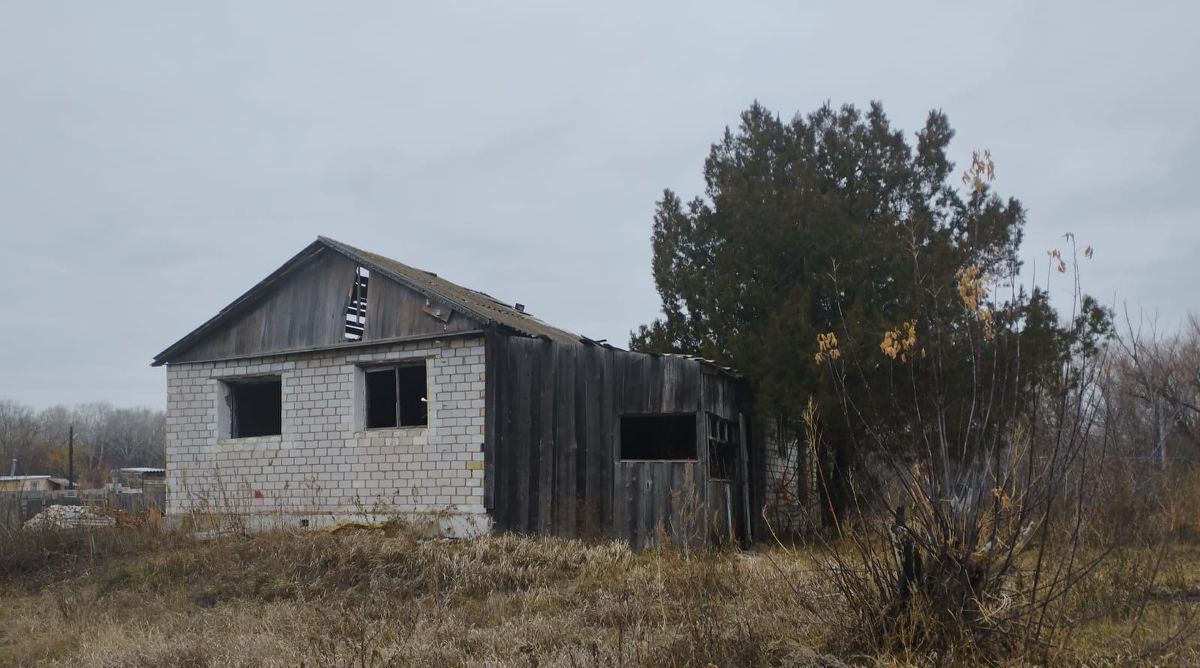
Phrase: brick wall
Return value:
(326, 465)
(792, 479)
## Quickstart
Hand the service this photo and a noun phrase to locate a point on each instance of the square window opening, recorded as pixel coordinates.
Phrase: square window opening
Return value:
(255, 406)
(658, 437)
(396, 396)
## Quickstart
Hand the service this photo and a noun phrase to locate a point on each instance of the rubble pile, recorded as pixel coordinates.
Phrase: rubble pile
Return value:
(69, 517)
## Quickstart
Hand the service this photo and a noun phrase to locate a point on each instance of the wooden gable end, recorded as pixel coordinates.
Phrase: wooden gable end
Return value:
(395, 311)
(305, 308)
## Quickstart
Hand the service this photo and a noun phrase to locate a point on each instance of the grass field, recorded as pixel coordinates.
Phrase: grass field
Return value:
(131, 597)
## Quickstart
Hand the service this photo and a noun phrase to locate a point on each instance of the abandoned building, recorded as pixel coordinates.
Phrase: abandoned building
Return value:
(346, 382)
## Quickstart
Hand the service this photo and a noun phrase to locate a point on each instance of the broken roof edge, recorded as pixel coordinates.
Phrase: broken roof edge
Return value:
(703, 361)
(509, 318)
(488, 309)
(494, 313)
(363, 259)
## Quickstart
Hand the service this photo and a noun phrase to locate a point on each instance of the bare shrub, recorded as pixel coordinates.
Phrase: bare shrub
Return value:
(972, 513)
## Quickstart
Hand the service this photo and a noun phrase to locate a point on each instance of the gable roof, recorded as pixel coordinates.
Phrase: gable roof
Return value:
(480, 306)
(483, 306)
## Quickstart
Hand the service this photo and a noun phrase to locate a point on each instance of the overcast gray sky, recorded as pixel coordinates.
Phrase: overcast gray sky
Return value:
(157, 159)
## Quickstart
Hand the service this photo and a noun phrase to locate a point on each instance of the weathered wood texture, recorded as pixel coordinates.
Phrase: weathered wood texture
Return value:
(394, 310)
(306, 308)
(553, 442)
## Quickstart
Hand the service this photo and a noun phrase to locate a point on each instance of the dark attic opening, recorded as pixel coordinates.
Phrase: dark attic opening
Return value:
(396, 396)
(356, 306)
(255, 406)
(658, 437)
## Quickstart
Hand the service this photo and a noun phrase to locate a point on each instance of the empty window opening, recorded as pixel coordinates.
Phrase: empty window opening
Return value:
(356, 308)
(381, 398)
(396, 396)
(723, 442)
(255, 406)
(411, 382)
(658, 437)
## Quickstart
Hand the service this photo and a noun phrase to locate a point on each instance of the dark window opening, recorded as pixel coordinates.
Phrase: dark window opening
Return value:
(723, 442)
(411, 381)
(396, 396)
(356, 308)
(658, 437)
(255, 407)
(381, 398)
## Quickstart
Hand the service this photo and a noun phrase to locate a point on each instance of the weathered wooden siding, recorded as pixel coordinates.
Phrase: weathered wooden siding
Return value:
(553, 441)
(394, 310)
(306, 308)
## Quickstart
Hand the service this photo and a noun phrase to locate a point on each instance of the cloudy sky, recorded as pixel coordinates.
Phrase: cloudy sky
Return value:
(157, 159)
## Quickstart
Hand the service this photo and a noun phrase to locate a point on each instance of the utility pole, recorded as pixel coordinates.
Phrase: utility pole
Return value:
(71, 458)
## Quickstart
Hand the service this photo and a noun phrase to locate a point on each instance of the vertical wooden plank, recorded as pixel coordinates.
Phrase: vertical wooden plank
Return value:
(546, 425)
(521, 434)
(655, 383)
(609, 431)
(644, 505)
(584, 516)
(629, 522)
(677, 504)
(744, 476)
(532, 473)
(565, 443)
(662, 497)
(501, 450)
(599, 462)
(632, 384)
(620, 515)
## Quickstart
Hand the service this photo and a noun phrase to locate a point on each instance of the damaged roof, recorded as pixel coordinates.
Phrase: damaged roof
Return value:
(483, 306)
(478, 306)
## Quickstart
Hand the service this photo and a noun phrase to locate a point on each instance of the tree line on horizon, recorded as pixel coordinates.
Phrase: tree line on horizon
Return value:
(106, 438)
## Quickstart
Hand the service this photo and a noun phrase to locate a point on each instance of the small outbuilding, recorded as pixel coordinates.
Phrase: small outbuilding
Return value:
(347, 383)
(137, 477)
(32, 483)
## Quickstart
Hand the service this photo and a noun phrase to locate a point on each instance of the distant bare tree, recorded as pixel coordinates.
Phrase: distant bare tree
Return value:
(1155, 389)
(105, 438)
(18, 429)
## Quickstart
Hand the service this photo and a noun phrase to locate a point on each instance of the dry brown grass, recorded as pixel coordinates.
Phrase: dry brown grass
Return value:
(363, 598)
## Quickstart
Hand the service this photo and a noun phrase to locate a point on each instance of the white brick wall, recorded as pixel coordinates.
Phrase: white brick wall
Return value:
(792, 504)
(325, 465)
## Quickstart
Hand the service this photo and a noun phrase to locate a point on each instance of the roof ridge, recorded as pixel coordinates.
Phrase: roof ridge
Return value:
(479, 304)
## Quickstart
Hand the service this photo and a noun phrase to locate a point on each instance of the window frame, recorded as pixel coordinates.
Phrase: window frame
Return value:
(364, 411)
(723, 440)
(228, 409)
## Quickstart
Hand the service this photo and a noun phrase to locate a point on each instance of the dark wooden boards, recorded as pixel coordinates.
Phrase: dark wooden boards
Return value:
(394, 310)
(306, 308)
(554, 433)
